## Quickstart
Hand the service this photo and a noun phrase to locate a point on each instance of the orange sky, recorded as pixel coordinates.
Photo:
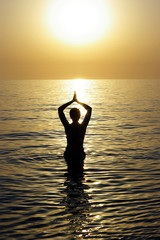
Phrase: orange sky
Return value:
(130, 49)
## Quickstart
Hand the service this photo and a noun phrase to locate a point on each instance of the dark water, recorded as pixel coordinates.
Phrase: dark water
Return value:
(117, 197)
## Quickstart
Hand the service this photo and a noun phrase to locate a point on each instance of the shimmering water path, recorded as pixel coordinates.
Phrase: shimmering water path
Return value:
(117, 197)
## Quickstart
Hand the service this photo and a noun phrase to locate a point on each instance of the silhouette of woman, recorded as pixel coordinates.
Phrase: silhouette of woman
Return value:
(75, 133)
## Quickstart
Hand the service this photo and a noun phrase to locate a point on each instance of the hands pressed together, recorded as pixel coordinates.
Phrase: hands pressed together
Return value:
(75, 97)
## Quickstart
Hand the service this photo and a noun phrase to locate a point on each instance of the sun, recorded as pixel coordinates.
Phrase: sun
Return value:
(78, 22)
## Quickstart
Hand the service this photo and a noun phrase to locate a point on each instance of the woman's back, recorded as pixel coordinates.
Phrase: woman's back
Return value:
(75, 136)
(75, 133)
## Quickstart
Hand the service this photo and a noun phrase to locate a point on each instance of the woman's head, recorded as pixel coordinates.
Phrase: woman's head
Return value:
(75, 114)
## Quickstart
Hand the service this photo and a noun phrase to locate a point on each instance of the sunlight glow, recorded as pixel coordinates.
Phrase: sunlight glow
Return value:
(81, 86)
(78, 22)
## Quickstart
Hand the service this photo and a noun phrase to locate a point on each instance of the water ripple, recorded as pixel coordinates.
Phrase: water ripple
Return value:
(117, 196)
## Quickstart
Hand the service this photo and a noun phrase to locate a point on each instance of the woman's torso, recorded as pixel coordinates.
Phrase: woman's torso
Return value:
(75, 136)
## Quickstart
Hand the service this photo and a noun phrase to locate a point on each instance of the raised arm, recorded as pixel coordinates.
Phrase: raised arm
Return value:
(88, 114)
(61, 113)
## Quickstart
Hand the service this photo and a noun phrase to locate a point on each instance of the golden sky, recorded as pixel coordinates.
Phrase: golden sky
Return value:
(128, 48)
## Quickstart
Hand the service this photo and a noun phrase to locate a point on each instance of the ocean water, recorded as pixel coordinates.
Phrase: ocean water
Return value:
(117, 196)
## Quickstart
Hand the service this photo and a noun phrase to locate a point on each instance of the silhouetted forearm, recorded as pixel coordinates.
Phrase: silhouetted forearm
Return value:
(61, 113)
(87, 107)
(61, 108)
(88, 114)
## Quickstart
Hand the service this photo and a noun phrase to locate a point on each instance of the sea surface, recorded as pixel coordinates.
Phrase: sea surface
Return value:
(117, 196)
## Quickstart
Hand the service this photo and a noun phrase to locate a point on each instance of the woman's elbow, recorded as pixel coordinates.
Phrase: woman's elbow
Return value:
(60, 110)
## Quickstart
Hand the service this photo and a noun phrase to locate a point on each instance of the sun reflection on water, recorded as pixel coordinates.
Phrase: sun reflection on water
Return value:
(82, 88)
(77, 205)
